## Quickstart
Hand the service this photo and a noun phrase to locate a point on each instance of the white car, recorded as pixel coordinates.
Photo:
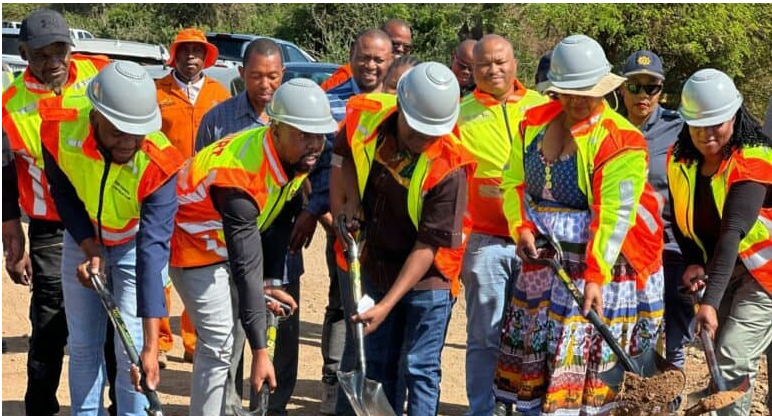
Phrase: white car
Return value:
(231, 48)
(11, 59)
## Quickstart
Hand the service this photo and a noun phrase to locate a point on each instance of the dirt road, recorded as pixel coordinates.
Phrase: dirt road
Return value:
(175, 379)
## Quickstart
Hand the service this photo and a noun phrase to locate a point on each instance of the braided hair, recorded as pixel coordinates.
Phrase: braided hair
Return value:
(747, 133)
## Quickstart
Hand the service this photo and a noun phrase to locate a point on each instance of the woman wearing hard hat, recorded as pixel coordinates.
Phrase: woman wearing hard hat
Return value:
(719, 173)
(577, 171)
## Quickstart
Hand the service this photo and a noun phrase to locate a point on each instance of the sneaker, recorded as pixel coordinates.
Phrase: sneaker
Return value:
(188, 357)
(329, 398)
(162, 359)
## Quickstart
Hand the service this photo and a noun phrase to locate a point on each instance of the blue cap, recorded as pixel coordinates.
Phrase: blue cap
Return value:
(643, 62)
(544, 67)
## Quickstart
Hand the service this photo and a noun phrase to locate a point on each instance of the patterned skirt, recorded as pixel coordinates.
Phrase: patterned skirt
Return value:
(550, 354)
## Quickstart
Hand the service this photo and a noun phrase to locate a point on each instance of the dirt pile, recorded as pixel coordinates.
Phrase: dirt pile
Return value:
(714, 402)
(650, 396)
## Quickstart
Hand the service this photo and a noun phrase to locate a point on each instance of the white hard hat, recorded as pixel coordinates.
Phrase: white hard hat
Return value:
(428, 96)
(302, 104)
(709, 97)
(579, 66)
(125, 94)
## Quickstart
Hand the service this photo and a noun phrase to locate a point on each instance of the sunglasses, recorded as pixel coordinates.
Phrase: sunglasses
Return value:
(649, 89)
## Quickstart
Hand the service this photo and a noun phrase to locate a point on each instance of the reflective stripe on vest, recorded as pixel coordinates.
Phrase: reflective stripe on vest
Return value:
(246, 161)
(364, 115)
(68, 136)
(748, 164)
(21, 122)
(487, 129)
(611, 171)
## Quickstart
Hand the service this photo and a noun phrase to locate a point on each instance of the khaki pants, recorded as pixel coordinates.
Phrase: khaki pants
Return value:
(745, 333)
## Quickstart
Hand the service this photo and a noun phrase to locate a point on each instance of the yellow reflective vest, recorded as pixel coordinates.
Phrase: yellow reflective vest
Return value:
(21, 122)
(487, 128)
(746, 164)
(364, 116)
(246, 160)
(111, 193)
(612, 164)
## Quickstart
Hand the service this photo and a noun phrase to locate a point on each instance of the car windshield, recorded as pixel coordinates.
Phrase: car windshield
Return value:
(315, 74)
(229, 48)
(10, 45)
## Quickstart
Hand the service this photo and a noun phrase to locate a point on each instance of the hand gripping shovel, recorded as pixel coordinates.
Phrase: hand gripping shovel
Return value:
(265, 390)
(108, 302)
(720, 393)
(366, 396)
(646, 364)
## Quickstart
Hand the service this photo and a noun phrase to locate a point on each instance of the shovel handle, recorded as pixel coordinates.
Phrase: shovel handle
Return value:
(707, 345)
(592, 316)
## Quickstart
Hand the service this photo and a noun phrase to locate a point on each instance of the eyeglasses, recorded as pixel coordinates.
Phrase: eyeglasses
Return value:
(407, 47)
(649, 89)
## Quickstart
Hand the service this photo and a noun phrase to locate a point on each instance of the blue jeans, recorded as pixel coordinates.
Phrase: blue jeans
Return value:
(679, 310)
(87, 324)
(489, 272)
(412, 335)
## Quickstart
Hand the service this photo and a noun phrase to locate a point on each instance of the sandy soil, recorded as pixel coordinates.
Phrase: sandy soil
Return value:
(175, 379)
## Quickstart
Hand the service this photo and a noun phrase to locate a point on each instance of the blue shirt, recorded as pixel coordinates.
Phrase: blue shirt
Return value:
(230, 116)
(661, 130)
(152, 240)
(339, 96)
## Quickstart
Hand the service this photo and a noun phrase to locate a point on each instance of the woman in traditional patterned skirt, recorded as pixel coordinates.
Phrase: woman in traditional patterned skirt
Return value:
(578, 172)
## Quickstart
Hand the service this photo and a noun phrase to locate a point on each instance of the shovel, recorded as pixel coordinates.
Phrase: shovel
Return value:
(721, 392)
(366, 396)
(108, 302)
(646, 364)
(265, 391)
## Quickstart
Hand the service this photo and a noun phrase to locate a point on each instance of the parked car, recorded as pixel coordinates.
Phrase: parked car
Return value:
(80, 34)
(11, 58)
(232, 47)
(12, 25)
(316, 71)
(141, 53)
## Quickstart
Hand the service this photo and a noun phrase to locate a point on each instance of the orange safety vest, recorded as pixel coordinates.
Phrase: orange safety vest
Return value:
(246, 160)
(745, 164)
(21, 122)
(612, 162)
(364, 116)
(180, 118)
(341, 75)
(69, 136)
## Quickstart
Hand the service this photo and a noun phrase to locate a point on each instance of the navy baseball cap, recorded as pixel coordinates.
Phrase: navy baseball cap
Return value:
(643, 62)
(44, 27)
(542, 69)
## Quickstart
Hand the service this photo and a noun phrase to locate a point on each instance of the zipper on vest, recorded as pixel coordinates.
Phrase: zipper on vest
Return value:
(101, 200)
(506, 122)
(278, 200)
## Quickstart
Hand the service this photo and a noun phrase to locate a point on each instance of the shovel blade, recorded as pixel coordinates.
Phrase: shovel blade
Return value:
(741, 384)
(366, 396)
(648, 362)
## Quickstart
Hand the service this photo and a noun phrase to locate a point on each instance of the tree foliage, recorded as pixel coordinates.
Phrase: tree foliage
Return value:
(734, 38)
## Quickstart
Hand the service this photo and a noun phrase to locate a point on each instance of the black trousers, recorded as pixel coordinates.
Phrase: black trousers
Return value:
(49, 324)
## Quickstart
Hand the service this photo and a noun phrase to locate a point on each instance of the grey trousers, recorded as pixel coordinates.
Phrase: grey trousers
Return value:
(205, 293)
(744, 334)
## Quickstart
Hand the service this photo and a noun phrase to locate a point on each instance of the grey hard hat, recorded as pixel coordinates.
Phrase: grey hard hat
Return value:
(125, 94)
(302, 104)
(709, 97)
(428, 96)
(578, 61)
